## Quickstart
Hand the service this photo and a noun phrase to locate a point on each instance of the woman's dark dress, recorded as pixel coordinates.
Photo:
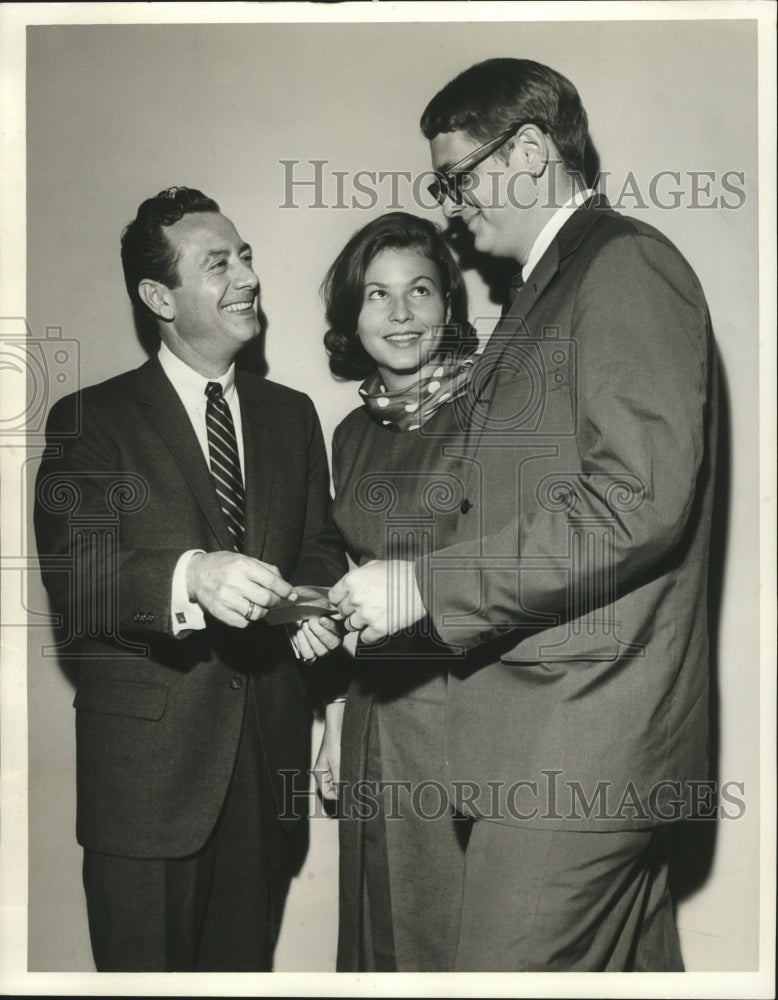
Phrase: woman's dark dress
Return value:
(398, 494)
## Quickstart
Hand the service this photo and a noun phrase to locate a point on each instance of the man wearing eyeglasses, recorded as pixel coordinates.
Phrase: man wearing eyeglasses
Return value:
(577, 727)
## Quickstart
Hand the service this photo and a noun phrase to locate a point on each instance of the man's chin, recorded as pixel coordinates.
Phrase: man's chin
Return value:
(251, 333)
(480, 238)
(482, 244)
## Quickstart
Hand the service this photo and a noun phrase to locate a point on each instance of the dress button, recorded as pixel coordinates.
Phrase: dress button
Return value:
(466, 506)
(236, 683)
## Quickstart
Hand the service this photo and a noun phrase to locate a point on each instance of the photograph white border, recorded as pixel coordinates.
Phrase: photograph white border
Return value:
(14, 978)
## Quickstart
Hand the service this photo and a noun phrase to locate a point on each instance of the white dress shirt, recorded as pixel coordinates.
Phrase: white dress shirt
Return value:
(190, 387)
(545, 237)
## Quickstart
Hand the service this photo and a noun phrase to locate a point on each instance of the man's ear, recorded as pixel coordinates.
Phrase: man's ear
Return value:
(531, 151)
(158, 298)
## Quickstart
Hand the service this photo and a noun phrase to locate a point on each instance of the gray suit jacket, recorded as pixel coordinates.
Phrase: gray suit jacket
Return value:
(158, 718)
(576, 590)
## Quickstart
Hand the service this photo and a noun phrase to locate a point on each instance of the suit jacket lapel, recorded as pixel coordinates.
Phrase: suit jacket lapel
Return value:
(167, 414)
(511, 328)
(543, 272)
(567, 241)
(514, 324)
(258, 461)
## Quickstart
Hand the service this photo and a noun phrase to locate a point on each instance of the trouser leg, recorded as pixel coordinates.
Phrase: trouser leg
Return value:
(539, 900)
(217, 910)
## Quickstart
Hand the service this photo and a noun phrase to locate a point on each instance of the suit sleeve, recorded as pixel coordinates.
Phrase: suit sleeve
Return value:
(97, 586)
(641, 328)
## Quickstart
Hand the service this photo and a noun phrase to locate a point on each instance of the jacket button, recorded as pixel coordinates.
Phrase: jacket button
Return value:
(466, 506)
(236, 683)
(486, 636)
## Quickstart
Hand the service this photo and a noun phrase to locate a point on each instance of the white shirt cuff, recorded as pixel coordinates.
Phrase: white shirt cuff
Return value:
(185, 615)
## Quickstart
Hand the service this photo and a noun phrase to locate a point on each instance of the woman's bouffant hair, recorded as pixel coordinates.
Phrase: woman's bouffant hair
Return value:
(343, 289)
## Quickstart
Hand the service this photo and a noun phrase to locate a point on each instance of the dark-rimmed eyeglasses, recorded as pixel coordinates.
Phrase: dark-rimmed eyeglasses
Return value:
(450, 183)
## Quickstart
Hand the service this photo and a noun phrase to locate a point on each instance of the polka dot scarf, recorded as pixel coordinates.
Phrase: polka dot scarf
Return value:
(407, 409)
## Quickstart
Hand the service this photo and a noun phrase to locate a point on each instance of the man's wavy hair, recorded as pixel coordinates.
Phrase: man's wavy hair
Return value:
(146, 250)
(491, 96)
(343, 289)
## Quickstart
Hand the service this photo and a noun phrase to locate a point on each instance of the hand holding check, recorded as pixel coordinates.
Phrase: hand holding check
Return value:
(379, 599)
(236, 589)
(318, 628)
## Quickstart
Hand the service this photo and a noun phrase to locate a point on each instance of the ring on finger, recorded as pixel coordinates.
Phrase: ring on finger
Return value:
(250, 611)
(350, 624)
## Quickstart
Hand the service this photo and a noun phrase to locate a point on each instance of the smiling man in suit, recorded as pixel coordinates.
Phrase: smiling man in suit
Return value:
(188, 705)
(577, 726)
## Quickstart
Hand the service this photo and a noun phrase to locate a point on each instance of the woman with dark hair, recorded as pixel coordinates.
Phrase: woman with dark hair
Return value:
(396, 308)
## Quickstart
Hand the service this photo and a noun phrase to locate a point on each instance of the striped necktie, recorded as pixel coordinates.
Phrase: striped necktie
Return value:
(225, 462)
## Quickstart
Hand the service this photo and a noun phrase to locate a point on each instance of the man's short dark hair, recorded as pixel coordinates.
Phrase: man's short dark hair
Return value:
(343, 289)
(146, 250)
(491, 96)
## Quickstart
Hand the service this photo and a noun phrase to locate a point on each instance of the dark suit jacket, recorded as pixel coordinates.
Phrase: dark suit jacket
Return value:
(158, 718)
(577, 586)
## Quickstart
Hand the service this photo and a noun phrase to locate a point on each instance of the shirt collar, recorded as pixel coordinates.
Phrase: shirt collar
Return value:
(546, 235)
(189, 384)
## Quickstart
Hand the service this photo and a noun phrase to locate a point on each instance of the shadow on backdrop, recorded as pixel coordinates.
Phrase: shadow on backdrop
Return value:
(693, 842)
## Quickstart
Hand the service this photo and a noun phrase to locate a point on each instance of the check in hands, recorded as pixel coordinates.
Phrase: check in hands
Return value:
(234, 588)
(379, 599)
(316, 637)
(238, 589)
(376, 600)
